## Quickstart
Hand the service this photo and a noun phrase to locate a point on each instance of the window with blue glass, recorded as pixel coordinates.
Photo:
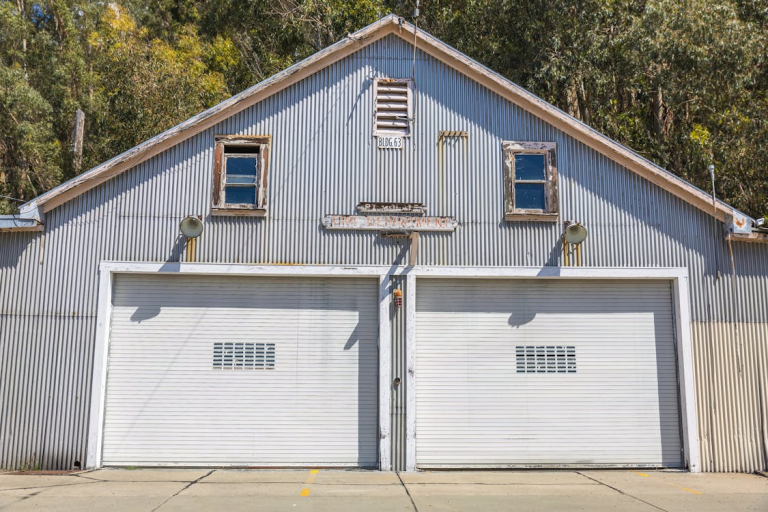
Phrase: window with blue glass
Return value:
(240, 180)
(530, 181)
(241, 170)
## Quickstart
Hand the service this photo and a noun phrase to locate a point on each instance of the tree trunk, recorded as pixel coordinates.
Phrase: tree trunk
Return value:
(658, 113)
(77, 141)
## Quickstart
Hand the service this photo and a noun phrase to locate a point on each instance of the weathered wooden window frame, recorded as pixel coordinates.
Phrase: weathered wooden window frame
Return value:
(409, 107)
(259, 209)
(550, 212)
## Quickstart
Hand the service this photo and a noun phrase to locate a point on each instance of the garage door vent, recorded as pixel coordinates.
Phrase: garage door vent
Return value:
(546, 359)
(243, 356)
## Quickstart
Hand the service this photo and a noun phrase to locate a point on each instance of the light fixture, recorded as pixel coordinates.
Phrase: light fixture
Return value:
(575, 233)
(191, 227)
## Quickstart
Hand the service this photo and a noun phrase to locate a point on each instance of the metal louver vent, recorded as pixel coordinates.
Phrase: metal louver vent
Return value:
(546, 359)
(243, 356)
(393, 107)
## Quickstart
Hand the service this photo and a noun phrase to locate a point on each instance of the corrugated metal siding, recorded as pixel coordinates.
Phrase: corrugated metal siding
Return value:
(325, 161)
(731, 362)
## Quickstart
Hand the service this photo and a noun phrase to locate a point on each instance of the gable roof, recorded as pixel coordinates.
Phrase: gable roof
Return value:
(388, 25)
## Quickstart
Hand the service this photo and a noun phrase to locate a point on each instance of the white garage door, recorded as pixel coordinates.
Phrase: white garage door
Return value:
(537, 372)
(242, 370)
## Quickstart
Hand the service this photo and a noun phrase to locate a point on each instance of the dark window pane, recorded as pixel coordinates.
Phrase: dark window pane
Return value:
(240, 195)
(529, 196)
(241, 166)
(241, 149)
(529, 167)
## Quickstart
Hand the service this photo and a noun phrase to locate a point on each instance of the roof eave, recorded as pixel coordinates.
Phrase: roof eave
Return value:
(196, 124)
(350, 44)
(18, 223)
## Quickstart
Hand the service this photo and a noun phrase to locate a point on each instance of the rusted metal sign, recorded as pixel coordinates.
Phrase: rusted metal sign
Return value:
(368, 207)
(389, 222)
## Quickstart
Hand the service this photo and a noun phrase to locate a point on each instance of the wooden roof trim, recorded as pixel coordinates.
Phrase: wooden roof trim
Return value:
(429, 44)
(750, 237)
(194, 125)
(566, 123)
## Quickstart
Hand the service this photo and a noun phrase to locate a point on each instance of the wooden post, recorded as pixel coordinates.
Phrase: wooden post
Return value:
(77, 141)
(414, 252)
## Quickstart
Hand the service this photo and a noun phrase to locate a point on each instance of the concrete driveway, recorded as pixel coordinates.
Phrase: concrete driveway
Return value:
(326, 490)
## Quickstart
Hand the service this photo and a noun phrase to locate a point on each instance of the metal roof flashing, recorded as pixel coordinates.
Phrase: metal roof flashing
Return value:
(19, 223)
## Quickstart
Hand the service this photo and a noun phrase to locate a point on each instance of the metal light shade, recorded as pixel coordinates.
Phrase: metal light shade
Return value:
(191, 227)
(575, 233)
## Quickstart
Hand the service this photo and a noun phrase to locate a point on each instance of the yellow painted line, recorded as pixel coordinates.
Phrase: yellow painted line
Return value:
(686, 489)
(310, 480)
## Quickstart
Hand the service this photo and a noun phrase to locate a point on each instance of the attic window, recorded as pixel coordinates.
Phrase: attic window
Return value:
(240, 175)
(393, 107)
(530, 179)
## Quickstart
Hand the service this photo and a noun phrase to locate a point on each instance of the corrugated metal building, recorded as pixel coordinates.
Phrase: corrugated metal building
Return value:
(296, 330)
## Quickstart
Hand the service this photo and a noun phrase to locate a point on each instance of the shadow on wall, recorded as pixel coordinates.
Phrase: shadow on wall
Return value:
(171, 265)
(14, 244)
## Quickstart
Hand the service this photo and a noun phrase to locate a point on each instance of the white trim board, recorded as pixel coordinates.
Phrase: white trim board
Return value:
(677, 275)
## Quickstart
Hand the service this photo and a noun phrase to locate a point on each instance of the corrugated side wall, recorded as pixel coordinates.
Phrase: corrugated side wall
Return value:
(325, 162)
(730, 361)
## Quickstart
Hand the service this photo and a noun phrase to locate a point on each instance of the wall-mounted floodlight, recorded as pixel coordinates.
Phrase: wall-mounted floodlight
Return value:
(575, 233)
(191, 227)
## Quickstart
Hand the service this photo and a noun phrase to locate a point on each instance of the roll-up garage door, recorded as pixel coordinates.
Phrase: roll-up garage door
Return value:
(246, 371)
(546, 372)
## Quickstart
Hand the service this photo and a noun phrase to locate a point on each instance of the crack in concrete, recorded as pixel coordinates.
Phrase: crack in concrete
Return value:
(46, 486)
(413, 503)
(190, 484)
(621, 492)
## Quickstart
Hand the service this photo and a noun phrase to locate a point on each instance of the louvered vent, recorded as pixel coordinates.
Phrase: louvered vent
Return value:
(546, 359)
(243, 356)
(393, 107)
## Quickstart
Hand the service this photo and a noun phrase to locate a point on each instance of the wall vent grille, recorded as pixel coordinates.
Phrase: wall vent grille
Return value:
(546, 359)
(393, 107)
(243, 356)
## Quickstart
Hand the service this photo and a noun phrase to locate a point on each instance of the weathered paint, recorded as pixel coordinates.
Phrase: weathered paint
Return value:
(389, 223)
(325, 161)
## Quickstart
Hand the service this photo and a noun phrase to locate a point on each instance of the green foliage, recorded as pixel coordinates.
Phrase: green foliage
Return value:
(684, 83)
